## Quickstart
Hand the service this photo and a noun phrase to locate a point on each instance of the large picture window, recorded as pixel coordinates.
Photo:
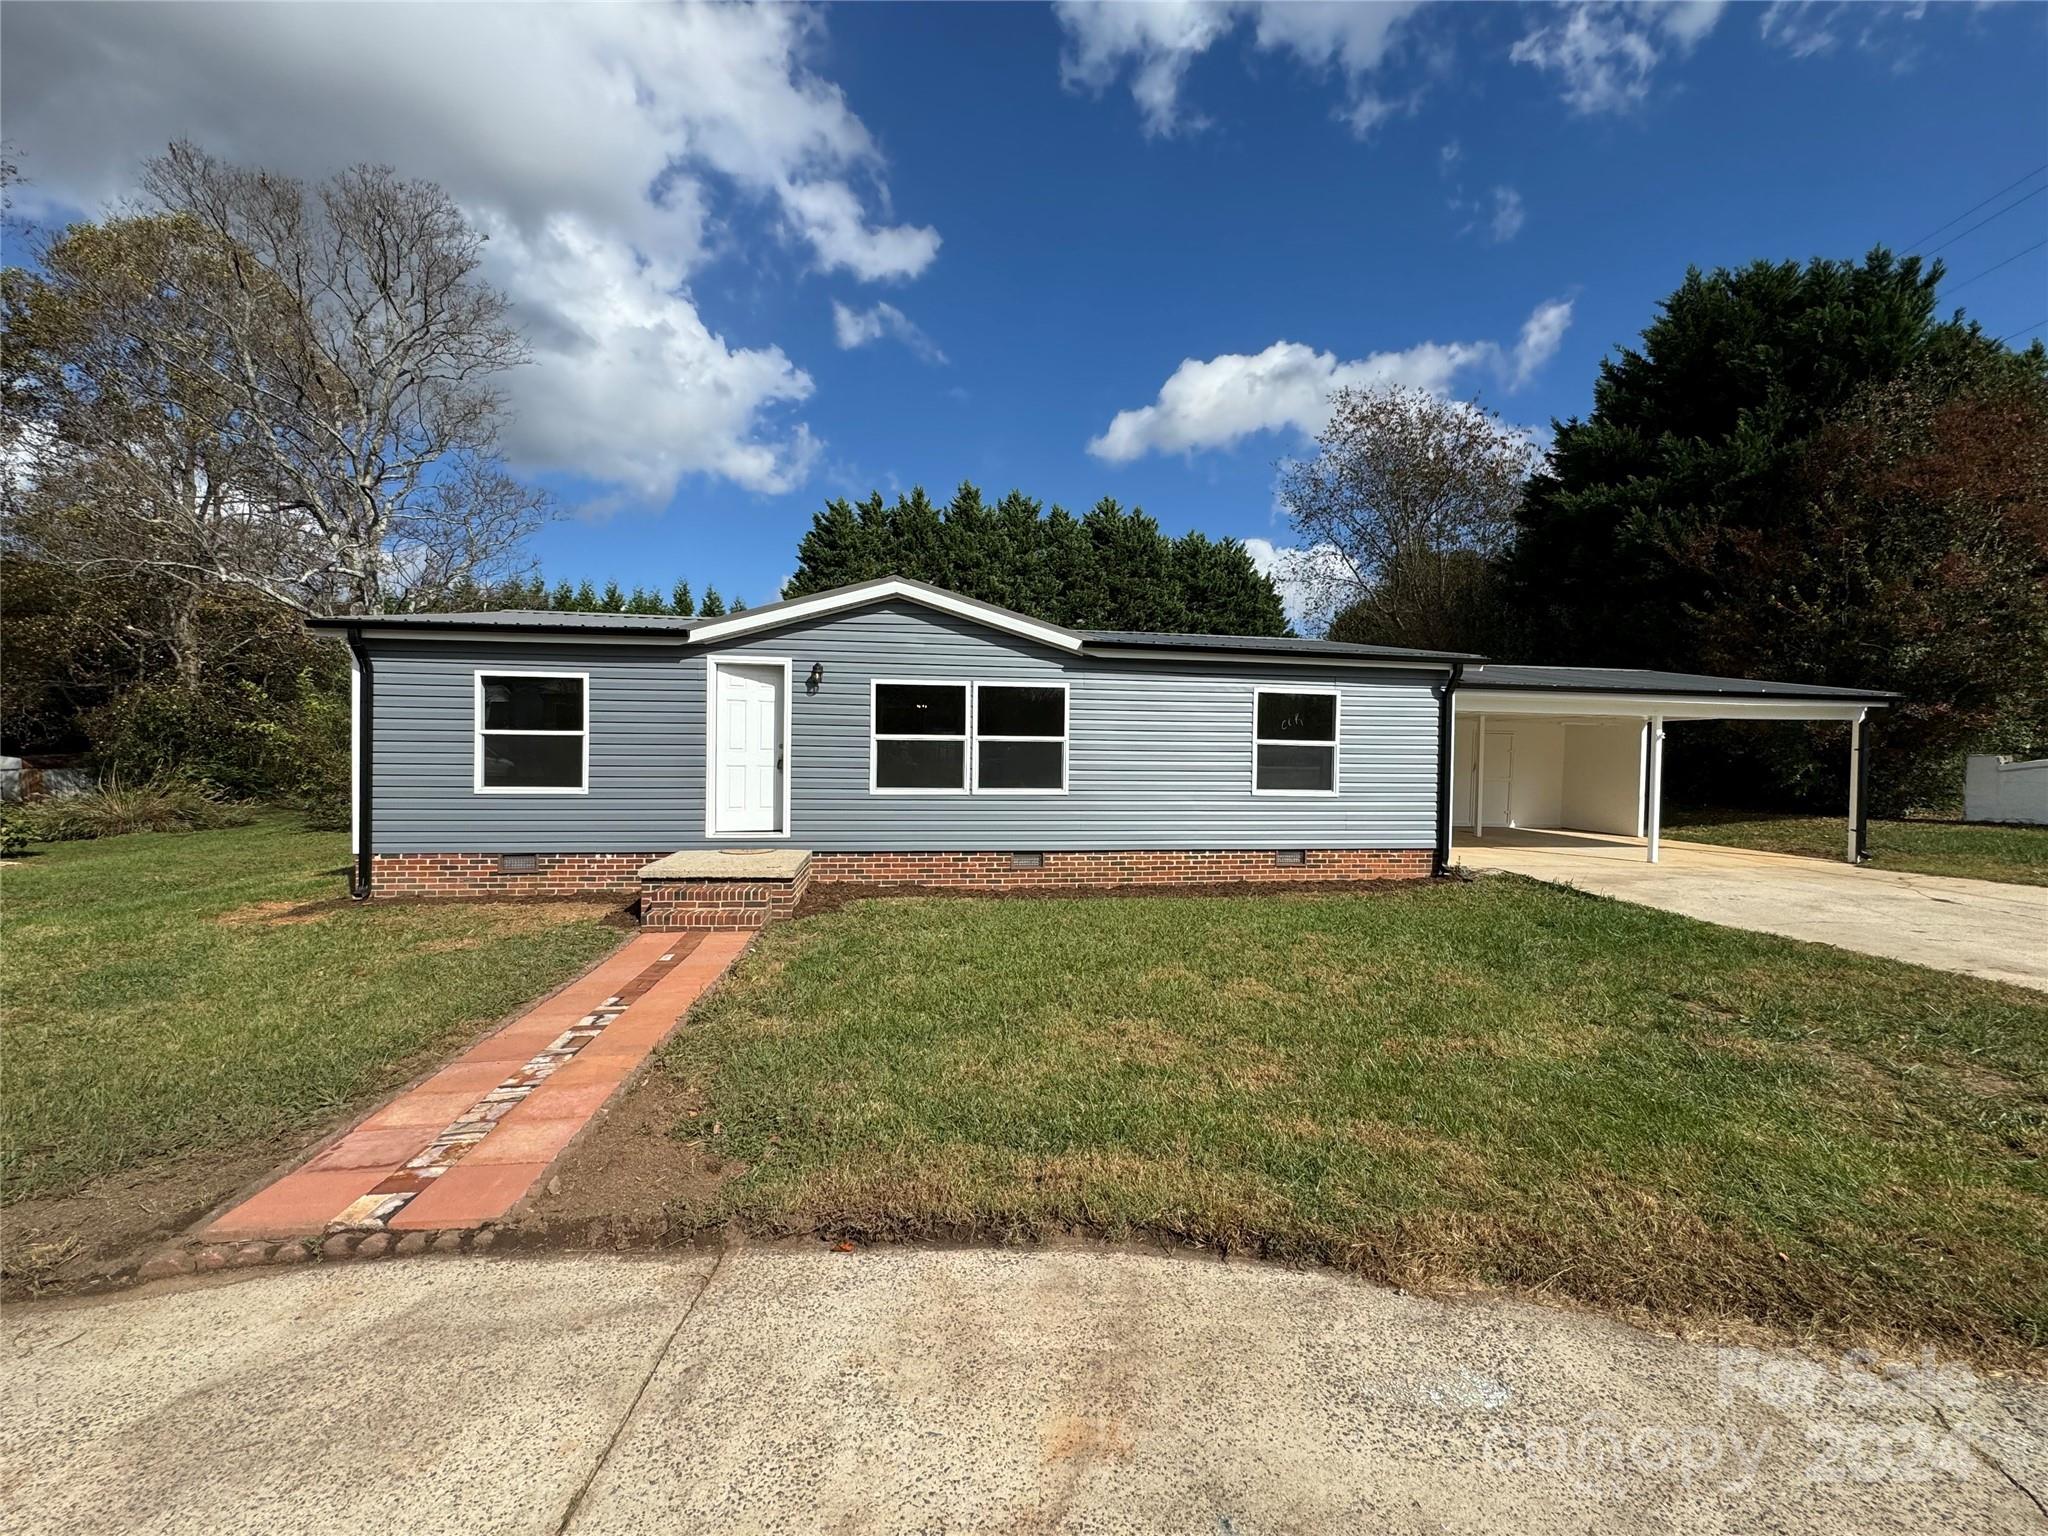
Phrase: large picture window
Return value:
(920, 738)
(532, 733)
(1294, 742)
(1020, 738)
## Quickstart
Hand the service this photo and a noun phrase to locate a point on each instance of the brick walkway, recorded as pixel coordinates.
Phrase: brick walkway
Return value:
(461, 1148)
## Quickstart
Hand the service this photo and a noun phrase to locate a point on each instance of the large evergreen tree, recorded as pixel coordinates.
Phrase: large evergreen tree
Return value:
(1775, 482)
(1113, 569)
(1701, 431)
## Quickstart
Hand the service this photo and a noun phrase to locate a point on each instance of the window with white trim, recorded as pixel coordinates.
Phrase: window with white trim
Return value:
(920, 738)
(532, 733)
(1294, 741)
(1020, 738)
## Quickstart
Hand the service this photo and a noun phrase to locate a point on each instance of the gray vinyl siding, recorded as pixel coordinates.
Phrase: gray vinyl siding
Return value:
(1159, 751)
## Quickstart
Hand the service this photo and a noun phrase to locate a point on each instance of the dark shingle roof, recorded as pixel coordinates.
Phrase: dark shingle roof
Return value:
(1630, 680)
(665, 626)
(1145, 639)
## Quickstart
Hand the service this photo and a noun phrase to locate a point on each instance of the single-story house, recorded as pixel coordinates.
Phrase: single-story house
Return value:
(894, 731)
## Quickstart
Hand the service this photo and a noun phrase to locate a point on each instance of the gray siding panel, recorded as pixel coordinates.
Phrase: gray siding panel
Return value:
(1159, 751)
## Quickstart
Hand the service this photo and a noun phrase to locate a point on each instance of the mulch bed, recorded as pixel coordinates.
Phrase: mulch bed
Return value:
(830, 896)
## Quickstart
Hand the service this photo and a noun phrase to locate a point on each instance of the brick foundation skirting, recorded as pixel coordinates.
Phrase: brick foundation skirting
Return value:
(1146, 866)
(700, 904)
(477, 874)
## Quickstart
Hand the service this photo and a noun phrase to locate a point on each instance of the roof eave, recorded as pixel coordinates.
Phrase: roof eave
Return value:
(1876, 699)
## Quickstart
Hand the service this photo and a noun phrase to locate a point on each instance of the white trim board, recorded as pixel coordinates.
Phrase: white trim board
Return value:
(799, 609)
(1640, 706)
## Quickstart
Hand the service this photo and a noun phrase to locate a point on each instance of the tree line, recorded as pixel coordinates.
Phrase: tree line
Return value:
(534, 594)
(1110, 568)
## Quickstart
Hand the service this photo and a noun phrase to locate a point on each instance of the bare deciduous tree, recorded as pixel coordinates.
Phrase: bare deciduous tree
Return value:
(373, 389)
(264, 387)
(1401, 513)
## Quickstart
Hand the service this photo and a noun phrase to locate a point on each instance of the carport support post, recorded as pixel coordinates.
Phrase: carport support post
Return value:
(1656, 816)
(1859, 792)
(1479, 778)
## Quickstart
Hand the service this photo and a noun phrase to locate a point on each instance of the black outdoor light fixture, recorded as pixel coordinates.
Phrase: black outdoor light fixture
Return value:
(817, 677)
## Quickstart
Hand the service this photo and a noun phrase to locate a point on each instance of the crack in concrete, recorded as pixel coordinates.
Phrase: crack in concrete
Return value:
(626, 1418)
(1976, 1450)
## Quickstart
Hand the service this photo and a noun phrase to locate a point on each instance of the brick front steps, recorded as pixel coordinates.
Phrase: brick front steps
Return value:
(721, 888)
(463, 1147)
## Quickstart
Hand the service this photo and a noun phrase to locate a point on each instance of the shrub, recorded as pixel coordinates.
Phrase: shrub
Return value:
(13, 835)
(161, 805)
(286, 742)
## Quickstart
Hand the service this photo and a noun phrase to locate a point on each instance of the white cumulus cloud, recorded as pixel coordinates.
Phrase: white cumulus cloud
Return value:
(627, 381)
(1605, 52)
(1220, 401)
(1155, 42)
(857, 327)
(605, 148)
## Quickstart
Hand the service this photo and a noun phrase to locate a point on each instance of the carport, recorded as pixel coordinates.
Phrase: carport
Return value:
(1581, 749)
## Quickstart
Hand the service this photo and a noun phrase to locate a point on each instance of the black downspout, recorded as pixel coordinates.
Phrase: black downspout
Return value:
(1443, 769)
(1863, 791)
(366, 744)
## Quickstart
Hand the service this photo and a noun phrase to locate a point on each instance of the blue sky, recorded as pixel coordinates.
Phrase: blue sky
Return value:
(771, 257)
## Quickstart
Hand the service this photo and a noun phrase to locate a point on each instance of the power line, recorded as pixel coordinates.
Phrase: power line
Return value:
(2008, 208)
(2030, 325)
(1994, 197)
(2015, 256)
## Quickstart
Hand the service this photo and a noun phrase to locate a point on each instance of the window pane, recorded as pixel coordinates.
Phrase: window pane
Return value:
(921, 764)
(1297, 717)
(910, 709)
(533, 703)
(1021, 764)
(533, 762)
(1297, 767)
(1022, 712)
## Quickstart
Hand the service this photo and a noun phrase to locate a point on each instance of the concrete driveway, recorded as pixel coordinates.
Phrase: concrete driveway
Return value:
(800, 1390)
(1977, 927)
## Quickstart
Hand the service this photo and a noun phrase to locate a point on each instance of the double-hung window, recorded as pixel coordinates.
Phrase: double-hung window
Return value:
(919, 744)
(1020, 738)
(933, 738)
(532, 733)
(1294, 741)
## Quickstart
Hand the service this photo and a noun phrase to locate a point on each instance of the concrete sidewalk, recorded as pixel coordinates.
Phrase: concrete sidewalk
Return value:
(799, 1390)
(1977, 927)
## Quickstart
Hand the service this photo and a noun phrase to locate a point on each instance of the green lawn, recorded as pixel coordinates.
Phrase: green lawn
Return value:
(1972, 851)
(160, 1002)
(1498, 1082)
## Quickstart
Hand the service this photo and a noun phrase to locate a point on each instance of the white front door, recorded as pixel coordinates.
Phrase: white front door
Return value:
(1496, 797)
(748, 793)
